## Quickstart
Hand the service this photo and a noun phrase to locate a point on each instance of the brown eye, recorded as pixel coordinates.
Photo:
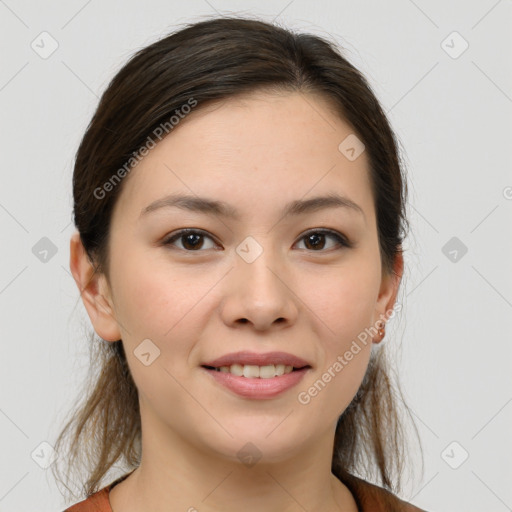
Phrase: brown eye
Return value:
(192, 240)
(315, 240)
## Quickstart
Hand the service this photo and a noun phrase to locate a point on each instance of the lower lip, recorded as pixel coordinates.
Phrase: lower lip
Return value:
(258, 388)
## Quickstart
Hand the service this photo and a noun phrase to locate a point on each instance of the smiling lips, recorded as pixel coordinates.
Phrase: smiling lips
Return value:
(258, 376)
(254, 359)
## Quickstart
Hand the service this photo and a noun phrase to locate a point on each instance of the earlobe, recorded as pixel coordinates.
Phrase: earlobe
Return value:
(94, 291)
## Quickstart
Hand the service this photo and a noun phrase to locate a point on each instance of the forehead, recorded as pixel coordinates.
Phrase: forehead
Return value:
(260, 147)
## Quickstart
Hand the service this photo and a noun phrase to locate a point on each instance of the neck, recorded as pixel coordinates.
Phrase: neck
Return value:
(176, 474)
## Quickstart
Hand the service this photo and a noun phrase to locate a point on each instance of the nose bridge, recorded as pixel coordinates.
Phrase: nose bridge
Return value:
(259, 288)
(259, 293)
(257, 263)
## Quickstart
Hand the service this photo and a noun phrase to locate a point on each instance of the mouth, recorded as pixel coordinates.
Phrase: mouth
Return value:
(251, 371)
(253, 364)
(257, 376)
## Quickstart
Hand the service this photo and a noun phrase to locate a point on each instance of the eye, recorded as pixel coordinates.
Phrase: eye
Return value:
(316, 239)
(192, 240)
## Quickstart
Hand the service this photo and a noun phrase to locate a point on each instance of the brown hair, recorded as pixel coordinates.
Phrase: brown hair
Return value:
(210, 61)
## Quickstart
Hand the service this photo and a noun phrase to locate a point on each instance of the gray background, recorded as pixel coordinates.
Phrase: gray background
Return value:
(452, 113)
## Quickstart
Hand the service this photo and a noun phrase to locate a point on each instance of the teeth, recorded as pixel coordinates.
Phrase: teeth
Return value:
(264, 372)
(251, 371)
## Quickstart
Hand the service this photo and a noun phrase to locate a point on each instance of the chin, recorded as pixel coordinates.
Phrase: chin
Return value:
(254, 442)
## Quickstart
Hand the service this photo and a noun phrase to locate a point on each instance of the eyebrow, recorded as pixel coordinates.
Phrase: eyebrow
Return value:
(206, 205)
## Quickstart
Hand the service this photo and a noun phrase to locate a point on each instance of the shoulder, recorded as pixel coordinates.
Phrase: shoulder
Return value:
(372, 498)
(97, 502)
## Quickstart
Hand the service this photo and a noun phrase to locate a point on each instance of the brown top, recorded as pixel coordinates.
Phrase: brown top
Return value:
(372, 498)
(369, 498)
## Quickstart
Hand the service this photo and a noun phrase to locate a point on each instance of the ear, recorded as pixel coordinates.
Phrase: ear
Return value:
(388, 292)
(94, 290)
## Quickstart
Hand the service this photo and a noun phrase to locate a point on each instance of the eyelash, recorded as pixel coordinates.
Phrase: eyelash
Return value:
(342, 240)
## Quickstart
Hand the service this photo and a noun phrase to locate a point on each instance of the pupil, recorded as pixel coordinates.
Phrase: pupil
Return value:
(191, 238)
(315, 237)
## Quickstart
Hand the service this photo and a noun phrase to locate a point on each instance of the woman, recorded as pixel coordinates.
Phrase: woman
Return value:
(240, 208)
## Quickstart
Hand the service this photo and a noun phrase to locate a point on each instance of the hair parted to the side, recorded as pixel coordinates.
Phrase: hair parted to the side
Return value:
(211, 61)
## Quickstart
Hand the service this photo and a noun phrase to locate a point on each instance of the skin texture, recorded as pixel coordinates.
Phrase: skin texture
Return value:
(257, 153)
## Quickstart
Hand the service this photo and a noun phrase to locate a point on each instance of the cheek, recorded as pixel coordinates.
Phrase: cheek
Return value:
(166, 305)
(152, 297)
(345, 302)
(156, 302)
(348, 376)
(344, 305)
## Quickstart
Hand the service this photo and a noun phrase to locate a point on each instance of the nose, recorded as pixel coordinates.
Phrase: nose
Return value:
(259, 293)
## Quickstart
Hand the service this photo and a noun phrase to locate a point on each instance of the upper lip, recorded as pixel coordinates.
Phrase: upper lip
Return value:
(253, 358)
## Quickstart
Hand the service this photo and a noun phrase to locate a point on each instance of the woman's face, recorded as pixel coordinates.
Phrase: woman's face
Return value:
(257, 282)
